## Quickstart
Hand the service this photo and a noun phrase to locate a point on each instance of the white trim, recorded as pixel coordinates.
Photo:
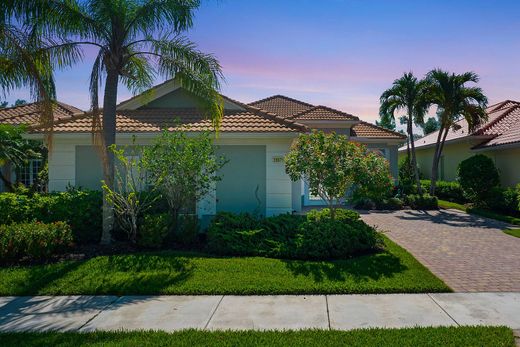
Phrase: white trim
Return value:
(497, 147)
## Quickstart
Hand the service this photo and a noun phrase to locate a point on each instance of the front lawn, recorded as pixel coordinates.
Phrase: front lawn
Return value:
(391, 271)
(444, 336)
(513, 232)
(480, 212)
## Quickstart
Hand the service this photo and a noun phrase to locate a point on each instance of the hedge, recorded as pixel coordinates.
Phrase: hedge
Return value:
(34, 240)
(81, 210)
(445, 190)
(292, 236)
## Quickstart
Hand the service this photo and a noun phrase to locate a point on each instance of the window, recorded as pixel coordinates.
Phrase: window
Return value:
(28, 174)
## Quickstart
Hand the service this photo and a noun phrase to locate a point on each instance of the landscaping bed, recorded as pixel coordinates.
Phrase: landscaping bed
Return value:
(392, 270)
(442, 336)
(480, 212)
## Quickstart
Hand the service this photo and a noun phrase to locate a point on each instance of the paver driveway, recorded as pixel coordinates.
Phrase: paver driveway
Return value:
(469, 253)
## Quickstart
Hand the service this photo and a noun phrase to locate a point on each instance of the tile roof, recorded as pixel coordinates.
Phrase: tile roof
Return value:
(365, 129)
(30, 113)
(154, 120)
(502, 127)
(323, 113)
(300, 111)
(282, 105)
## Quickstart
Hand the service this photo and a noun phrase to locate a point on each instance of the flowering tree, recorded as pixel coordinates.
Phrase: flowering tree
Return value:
(332, 165)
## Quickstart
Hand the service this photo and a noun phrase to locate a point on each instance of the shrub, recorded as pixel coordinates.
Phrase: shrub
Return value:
(333, 239)
(406, 176)
(78, 208)
(35, 240)
(504, 200)
(478, 178)
(450, 191)
(292, 236)
(422, 202)
(390, 204)
(154, 230)
(341, 215)
(186, 232)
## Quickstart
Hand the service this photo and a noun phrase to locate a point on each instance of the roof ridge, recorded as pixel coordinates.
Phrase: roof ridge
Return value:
(507, 111)
(280, 96)
(382, 128)
(498, 106)
(277, 118)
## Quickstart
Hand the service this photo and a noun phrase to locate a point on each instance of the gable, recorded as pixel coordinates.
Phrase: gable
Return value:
(181, 98)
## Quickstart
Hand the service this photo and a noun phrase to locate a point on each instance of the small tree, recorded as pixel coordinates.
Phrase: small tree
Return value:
(331, 165)
(478, 178)
(128, 194)
(183, 168)
(373, 178)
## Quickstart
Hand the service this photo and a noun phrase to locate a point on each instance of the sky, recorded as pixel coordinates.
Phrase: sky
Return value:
(342, 53)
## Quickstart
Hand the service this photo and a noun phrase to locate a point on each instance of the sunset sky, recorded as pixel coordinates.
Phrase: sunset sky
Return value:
(343, 53)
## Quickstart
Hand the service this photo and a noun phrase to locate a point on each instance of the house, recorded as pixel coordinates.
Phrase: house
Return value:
(254, 138)
(498, 138)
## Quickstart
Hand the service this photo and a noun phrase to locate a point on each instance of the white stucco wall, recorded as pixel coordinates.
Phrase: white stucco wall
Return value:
(62, 165)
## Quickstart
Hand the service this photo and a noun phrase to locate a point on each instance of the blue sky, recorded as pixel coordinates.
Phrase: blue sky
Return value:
(343, 53)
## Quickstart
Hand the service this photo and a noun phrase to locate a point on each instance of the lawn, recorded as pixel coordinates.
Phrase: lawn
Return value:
(391, 271)
(446, 336)
(480, 212)
(513, 232)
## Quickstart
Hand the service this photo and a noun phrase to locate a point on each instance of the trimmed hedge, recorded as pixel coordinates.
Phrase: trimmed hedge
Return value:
(445, 190)
(292, 236)
(35, 240)
(80, 209)
(422, 202)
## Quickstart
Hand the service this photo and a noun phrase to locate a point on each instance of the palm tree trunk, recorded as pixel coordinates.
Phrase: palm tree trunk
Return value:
(414, 160)
(441, 137)
(109, 138)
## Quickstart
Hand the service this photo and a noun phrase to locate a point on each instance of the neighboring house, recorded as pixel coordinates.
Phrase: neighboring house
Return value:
(498, 138)
(254, 137)
(29, 114)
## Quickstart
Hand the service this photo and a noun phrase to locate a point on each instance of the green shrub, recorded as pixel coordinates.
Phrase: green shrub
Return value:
(35, 240)
(292, 236)
(341, 215)
(422, 202)
(333, 239)
(445, 190)
(79, 209)
(390, 204)
(154, 230)
(503, 200)
(478, 178)
(187, 230)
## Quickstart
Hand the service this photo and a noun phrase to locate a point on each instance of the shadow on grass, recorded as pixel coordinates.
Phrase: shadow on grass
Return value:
(363, 268)
(117, 274)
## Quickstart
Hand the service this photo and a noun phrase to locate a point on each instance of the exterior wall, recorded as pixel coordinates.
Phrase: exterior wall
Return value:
(69, 156)
(507, 161)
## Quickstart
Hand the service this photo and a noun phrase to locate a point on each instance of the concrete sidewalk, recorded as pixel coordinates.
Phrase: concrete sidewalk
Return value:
(169, 313)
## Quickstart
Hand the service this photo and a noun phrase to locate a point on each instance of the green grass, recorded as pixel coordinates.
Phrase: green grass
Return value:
(480, 212)
(513, 232)
(391, 271)
(444, 336)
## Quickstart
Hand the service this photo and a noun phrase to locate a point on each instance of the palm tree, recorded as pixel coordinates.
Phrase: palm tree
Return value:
(406, 94)
(136, 41)
(454, 101)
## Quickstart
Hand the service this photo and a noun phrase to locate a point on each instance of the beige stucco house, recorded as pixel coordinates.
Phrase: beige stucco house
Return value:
(254, 137)
(498, 138)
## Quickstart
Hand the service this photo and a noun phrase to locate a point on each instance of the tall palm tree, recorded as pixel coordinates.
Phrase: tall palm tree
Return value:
(454, 101)
(136, 41)
(406, 94)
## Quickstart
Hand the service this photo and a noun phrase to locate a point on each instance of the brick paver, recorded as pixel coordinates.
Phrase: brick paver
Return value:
(469, 253)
